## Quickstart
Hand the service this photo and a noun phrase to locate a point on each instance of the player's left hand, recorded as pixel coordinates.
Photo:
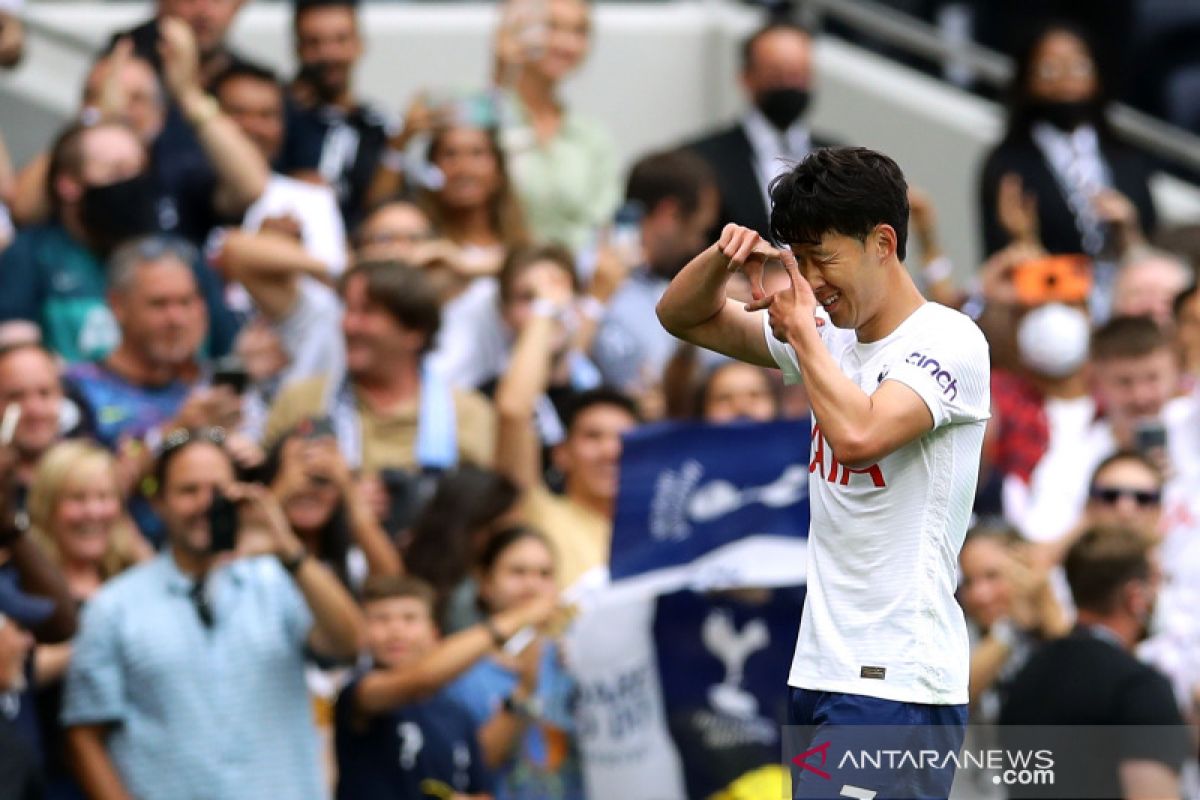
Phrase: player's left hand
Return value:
(793, 308)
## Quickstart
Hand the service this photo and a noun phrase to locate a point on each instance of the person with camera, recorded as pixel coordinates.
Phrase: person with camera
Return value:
(213, 634)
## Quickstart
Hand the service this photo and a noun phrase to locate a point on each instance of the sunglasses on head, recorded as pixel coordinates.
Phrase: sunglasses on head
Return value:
(1109, 495)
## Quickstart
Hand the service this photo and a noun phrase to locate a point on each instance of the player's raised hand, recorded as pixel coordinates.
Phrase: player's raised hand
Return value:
(748, 252)
(793, 308)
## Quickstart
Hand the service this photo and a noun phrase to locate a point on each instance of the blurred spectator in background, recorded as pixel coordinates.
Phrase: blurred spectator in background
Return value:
(326, 508)
(444, 542)
(395, 420)
(738, 391)
(521, 699)
(29, 380)
(221, 700)
(563, 165)
(1126, 491)
(1041, 412)
(148, 384)
(77, 516)
(332, 135)
(202, 169)
(475, 206)
(400, 703)
(1148, 283)
(392, 231)
(19, 759)
(209, 23)
(12, 33)
(776, 76)
(102, 194)
(578, 522)
(1113, 581)
(1089, 192)
(1186, 315)
(678, 195)
(254, 100)
(1010, 607)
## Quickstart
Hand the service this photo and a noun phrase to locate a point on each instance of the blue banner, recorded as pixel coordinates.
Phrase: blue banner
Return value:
(729, 501)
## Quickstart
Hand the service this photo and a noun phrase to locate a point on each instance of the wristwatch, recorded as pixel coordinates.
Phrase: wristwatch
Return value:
(292, 563)
(525, 708)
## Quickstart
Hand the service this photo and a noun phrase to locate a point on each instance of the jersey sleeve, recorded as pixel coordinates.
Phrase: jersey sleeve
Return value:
(782, 352)
(949, 369)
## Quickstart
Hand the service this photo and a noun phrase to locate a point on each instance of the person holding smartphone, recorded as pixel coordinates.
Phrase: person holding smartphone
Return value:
(564, 164)
(213, 640)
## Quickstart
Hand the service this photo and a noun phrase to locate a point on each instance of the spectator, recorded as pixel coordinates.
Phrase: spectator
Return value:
(1010, 607)
(1113, 582)
(76, 515)
(221, 700)
(579, 522)
(1082, 183)
(1041, 413)
(564, 165)
(392, 231)
(29, 379)
(521, 699)
(149, 382)
(331, 133)
(254, 100)
(1126, 491)
(1148, 283)
(52, 274)
(1186, 315)
(12, 33)
(468, 507)
(738, 391)
(399, 704)
(327, 509)
(390, 412)
(1134, 374)
(475, 206)
(776, 62)
(18, 758)
(202, 169)
(679, 196)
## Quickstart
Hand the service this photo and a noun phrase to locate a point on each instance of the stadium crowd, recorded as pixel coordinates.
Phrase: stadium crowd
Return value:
(306, 415)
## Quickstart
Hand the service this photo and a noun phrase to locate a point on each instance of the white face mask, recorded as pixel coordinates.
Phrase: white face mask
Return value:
(1053, 340)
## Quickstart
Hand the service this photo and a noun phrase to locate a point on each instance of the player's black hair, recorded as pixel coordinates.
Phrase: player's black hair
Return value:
(839, 190)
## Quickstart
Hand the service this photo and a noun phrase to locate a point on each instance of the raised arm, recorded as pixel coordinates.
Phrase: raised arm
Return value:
(242, 172)
(269, 265)
(695, 307)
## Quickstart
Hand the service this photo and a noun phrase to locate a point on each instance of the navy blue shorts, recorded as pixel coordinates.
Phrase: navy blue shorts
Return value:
(851, 745)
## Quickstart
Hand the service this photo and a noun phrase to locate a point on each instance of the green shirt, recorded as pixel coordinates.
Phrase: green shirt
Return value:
(569, 186)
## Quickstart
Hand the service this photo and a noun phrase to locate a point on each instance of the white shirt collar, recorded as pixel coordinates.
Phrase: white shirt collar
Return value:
(769, 143)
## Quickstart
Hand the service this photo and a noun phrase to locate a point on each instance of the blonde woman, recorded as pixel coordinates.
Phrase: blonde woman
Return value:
(77, 515)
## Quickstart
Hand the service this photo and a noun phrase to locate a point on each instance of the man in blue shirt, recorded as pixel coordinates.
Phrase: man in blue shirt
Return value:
(399, 734)
(187, 677)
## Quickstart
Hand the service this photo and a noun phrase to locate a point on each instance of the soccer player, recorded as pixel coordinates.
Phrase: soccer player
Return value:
(900, 395)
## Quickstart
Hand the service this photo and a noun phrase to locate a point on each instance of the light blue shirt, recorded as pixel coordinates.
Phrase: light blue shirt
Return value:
(217, 713)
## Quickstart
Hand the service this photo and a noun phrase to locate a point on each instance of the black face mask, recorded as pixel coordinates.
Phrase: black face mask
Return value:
(782, 105)
(119, 211)
(1066, 116)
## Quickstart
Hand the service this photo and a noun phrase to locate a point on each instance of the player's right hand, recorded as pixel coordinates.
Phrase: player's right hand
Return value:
(747, 252)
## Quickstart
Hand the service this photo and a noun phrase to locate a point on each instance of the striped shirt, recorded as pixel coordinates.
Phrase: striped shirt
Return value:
(199, 712)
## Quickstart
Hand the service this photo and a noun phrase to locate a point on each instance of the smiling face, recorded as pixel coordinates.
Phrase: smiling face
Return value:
(192, 478)
(471, 167)
(88, 508)
(566, 39)
(523, 571)
(986, 590)
(29, 378)
(399, 630)
(847, 276)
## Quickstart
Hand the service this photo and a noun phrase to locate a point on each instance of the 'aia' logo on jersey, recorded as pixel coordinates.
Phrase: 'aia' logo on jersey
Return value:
(825, 463)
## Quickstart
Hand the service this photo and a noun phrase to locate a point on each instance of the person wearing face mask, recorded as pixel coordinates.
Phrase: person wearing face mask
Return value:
(102, 193)
(1089, 192)
(1040, 414)
(772, 135)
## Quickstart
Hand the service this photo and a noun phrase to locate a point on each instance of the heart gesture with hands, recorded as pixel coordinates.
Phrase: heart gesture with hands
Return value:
(748, 253)
(792, 309)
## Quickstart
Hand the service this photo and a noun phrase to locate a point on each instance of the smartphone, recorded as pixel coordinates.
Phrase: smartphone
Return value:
(230, 371)
(8, 425)
(1053, 279)
(315, 428)
(222, 524)
(626, 234)
(1150, 436)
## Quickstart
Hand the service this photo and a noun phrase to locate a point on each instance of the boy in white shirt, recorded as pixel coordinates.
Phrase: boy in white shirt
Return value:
(900, 396)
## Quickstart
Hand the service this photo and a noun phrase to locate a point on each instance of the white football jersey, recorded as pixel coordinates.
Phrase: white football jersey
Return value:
(881, 618)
